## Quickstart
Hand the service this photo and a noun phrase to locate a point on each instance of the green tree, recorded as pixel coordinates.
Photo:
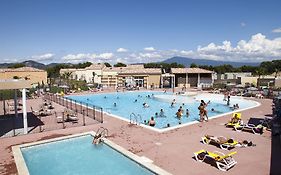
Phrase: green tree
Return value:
(260, 71)
(107, 64)
(17, 65)
(16, 77)
(66, 76)
(83, 65)
(119, 64)
(193, 65)
(94, 74)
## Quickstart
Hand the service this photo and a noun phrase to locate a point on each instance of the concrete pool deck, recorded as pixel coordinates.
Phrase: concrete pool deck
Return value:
(173, 150)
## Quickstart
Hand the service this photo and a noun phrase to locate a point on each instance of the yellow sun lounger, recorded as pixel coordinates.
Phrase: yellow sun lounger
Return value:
(250, 127)
(221, 141)
(223, 162)
(235, 120)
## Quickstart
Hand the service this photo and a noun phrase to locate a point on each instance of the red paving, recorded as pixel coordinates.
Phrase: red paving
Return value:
(172, 150)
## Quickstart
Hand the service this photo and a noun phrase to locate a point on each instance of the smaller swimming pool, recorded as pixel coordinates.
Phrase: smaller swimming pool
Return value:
(77, 155)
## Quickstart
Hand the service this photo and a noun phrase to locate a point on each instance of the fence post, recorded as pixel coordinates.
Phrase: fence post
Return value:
(94, 113)
(71, 104)
(40, 126)
(75, 105)
(14, 125)
(101, 115)
(81, 106)
(63, 125)
(84, 118)
(87, 108)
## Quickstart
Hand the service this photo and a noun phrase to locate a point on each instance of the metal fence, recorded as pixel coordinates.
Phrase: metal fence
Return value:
(86, 114)
(86, 109)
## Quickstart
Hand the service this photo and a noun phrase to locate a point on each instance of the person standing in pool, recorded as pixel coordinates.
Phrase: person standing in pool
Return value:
(187, 113)
(228, 99)
(179, 114)
(162, 113)
(151, 122)
(201, 112)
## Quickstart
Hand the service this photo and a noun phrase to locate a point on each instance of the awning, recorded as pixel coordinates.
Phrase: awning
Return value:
(14, 84)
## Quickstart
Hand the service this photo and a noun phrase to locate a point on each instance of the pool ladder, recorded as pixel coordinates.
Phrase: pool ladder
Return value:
(103, 132)
(135, 118)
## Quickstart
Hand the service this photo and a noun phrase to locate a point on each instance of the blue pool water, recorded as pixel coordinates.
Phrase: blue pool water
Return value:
(78, 156)
(125, 105)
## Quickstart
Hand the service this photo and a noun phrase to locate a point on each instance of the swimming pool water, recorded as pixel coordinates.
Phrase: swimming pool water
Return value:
(126, 105)
(78, 156)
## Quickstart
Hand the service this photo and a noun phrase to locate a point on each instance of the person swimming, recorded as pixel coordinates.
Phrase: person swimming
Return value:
(162, 113)
(136, 100)
(213, 110)
(156, 115)
(145, 105)
(114, 104)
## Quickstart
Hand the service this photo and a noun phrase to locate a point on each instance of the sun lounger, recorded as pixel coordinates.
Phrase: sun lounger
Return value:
(70, 115)
(223, 162)
(235, 120)
(254, 125)
(59, 118)
(250, 127)
(221, 141)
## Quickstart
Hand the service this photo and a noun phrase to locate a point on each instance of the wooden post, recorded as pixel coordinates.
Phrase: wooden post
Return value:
(84, 118)
(63, 125)
(87, 108)
(94, 114)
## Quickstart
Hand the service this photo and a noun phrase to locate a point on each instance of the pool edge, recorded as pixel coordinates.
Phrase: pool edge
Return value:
(23, 170)
(161, 130)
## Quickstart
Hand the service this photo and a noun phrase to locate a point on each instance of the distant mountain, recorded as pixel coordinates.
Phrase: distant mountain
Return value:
(187, 61)
(31, 63)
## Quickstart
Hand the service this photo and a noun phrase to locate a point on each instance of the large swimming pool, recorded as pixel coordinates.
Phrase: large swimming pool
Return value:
(77, 155)
(123, 104)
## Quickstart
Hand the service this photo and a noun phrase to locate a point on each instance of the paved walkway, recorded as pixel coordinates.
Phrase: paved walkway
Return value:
(172, 150)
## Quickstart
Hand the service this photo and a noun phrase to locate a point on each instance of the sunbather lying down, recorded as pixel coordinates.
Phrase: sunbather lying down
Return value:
(225, 143)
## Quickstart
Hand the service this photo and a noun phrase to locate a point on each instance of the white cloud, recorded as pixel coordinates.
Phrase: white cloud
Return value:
(82, 57)
(243, 24)
(257, 48)
(149, 49)
(105, 56)
(278, 30)
(44, 57)
(121, 50)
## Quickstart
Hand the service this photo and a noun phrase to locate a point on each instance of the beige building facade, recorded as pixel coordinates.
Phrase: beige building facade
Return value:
(192, 77)
(141, 77)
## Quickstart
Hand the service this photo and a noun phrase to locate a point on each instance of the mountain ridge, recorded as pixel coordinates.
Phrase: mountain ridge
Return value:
(180, 60)
(187, 61)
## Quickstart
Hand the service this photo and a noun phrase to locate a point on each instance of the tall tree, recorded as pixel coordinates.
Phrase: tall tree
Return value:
(193, 65)
(107, 64)
(260, 71)
(119, 64)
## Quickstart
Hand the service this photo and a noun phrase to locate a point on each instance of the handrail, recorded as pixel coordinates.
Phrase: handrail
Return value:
(138, 118)
(103, 132)
(132, 115)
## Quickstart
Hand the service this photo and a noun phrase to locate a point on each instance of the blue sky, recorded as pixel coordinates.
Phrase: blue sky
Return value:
(139, 31)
